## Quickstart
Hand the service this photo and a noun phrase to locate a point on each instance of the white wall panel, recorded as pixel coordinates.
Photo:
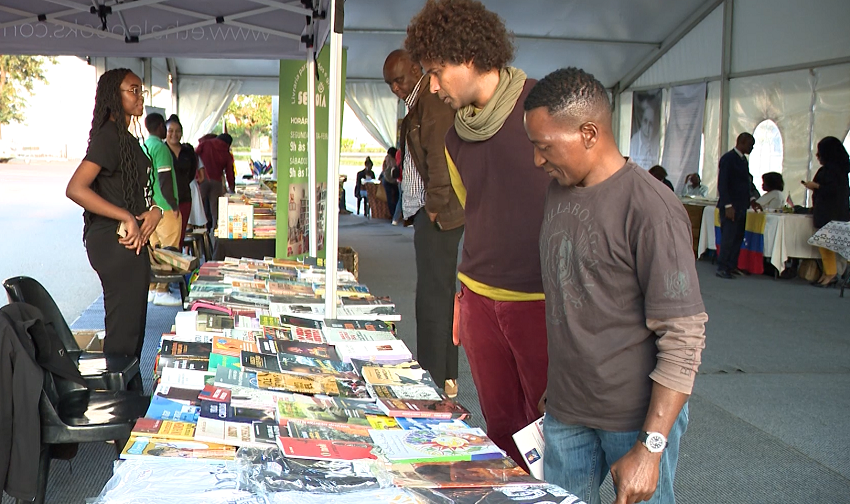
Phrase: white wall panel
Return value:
(778, 33)
(697, 56)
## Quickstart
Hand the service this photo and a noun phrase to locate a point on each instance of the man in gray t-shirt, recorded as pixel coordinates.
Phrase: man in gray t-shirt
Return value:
(624, 314)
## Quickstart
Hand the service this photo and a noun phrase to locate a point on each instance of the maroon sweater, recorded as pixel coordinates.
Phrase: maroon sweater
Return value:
(504, 205)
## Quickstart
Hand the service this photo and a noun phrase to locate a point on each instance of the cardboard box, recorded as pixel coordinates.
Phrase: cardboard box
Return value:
(90, 340)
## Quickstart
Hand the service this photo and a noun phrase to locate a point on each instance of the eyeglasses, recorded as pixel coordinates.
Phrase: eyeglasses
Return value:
(138, 91)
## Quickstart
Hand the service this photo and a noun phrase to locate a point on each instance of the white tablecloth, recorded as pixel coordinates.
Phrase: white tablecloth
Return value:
(785, 235)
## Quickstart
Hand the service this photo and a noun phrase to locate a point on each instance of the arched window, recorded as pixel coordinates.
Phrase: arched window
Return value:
(847, 142)
(767, 152)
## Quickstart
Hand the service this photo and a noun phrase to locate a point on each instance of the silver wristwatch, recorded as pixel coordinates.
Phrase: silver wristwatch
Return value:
(655, 442)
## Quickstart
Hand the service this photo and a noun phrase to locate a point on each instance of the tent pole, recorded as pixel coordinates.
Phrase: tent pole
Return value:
(725, 70)
(332, 203)
(275, 130)
(311, 152)
(148, 77)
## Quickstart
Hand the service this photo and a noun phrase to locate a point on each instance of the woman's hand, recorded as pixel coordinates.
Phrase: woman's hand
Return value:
(133, 238)
(810, 185)
(149, 220)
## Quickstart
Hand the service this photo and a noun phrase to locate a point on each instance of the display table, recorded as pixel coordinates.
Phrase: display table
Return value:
(695, 207)
(252, 248)
(785, 235)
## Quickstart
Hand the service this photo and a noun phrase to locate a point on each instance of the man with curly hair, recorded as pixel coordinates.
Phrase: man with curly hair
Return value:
(500, 312)
(624, 314)
(428, 199)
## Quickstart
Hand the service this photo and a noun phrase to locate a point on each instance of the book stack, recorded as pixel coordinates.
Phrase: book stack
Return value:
(250, 213)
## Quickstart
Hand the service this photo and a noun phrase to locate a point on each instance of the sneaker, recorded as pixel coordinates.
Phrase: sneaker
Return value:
(451, 388)
(167, 299)
(151, 295)
(395, 223)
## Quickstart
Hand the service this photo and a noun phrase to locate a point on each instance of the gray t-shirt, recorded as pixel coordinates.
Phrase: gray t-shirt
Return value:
(612, 255)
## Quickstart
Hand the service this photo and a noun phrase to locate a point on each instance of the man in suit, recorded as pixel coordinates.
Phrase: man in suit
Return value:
(734, 184)
(438, 221)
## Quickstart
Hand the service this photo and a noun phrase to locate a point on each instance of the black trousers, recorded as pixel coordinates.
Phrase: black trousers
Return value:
(124, 277)
(731, 238)
(436, 277)
(392, 195)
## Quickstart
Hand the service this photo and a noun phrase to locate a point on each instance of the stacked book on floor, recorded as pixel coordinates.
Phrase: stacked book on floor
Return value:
(255, 364)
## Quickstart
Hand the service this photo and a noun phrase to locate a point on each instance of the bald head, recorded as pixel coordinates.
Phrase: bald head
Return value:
(745, 143)
(401, 73)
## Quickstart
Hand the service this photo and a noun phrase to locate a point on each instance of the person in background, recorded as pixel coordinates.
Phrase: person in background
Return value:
(693, 187)
(500, 313)
(398, 215)
(431, 203)
(773, 185)
(185, 168)
(114, 185)
(830, 193)
(360, 187)
(389, 176)
(217, 162)
(169, 230)
(624, 313)
(660, 174)
(734, 191)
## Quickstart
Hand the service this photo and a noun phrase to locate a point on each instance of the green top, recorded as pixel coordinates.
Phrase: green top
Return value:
(163, 169)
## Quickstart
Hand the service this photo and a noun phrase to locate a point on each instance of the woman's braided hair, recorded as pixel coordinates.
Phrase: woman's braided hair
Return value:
(108, 105)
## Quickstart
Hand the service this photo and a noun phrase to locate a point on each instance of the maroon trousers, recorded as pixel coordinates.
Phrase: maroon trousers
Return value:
(505, 342)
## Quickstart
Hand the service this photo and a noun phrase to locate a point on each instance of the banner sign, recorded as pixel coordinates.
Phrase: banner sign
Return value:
(684, 133)
(646, 128)
(293, 238)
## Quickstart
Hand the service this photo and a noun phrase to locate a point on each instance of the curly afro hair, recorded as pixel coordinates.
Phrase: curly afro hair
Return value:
(457, 32)
(569, 92)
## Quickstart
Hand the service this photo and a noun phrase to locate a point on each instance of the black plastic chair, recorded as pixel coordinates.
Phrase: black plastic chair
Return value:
(73, 414)
(101, 371)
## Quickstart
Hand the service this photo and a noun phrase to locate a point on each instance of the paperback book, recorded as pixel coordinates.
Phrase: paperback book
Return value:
(465, 474)
(148, 448)
(447, 408)
(401, 446)
(321, 449)
(152, 427)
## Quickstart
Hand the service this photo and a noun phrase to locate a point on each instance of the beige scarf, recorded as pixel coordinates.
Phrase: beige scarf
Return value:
(474, 125)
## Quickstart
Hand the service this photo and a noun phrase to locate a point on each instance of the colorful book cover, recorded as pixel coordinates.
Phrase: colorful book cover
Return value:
(318, 351)
(300, 384)
(227, 377)
(377, 351)
(231, 346)
(529, 440)
(376, 375)
(182, 395)
(241, 414)
(224, 361)
(320, 449)
(358, 325)
(191, 362)
(401, 446)
(214, 394)
(419, 392)
(335, 335)
(306, 335)
(152, 427)
(446, 408)
(317, 409)
(408, 423)
(464, 474)
(288, 320)
(381, 422)
(266, 432)
(171, 347)
(277, 333)
(309, 365)
(145, 447)
(166, 409)
(329, 431)
(260, 362)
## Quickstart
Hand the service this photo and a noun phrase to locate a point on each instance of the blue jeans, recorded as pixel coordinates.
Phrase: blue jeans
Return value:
(579, 458)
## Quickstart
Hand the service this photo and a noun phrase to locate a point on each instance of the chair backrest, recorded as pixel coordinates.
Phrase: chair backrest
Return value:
(22, 289)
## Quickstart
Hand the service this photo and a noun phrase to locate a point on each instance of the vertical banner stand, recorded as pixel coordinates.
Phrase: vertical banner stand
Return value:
(311, 153)
(332, 212)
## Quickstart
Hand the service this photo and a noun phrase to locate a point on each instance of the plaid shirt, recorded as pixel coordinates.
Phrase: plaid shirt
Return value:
(412, 186)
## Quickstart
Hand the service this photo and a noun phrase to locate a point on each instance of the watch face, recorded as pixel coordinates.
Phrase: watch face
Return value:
(655, 442)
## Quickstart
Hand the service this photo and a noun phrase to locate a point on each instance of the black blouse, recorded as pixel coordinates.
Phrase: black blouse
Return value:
(185, 166)
(830, 200)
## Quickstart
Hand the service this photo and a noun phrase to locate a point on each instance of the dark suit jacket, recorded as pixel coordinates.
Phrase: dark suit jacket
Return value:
(423, 130)
(734, 182)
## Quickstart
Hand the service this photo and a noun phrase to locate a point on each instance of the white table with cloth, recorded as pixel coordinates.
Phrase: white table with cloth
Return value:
(785, 235)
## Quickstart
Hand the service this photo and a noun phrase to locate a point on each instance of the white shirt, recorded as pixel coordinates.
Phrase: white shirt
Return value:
(773, 200)
(412, 186)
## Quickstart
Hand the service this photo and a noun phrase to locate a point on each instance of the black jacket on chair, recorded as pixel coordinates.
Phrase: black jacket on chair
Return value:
(734, 182)
(27, 346)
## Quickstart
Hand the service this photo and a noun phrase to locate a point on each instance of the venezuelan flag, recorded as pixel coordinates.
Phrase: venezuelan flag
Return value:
(752, 249)
(751, 257)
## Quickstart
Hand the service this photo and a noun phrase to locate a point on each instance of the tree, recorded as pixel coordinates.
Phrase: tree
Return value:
(251, 115)
(18, 75)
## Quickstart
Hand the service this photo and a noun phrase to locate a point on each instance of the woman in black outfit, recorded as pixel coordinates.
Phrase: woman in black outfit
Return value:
(830, 193)
(114, 185)
(185, 166)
